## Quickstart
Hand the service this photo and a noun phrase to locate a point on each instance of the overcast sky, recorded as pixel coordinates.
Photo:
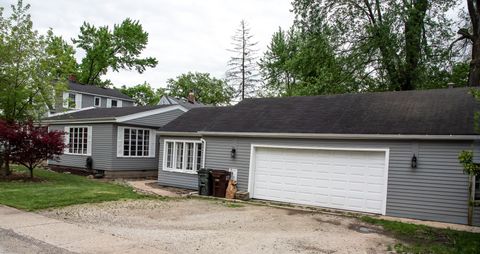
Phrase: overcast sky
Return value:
(184, 35)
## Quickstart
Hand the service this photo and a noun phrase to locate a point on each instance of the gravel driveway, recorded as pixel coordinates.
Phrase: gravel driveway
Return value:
(204, 226)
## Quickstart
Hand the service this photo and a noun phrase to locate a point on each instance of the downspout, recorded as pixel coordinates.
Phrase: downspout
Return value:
(204, 147)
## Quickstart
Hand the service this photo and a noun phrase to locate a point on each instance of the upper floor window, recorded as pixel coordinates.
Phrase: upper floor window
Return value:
(78, 140)
(182, 156)
(72, 100)
(112, 103)
(97, 101)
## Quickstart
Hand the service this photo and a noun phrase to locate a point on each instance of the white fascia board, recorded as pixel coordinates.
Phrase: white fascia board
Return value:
(326, 135)
(82, 121)
(102, 95)
(178, 134)
(149, 113)
(69, 111)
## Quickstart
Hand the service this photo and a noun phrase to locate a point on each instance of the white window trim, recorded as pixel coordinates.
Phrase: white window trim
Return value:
(151, 142)
(184, 163)
(89, 140)
(99, 101)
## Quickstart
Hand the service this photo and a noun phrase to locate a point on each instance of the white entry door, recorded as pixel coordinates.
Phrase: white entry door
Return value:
(342, 179)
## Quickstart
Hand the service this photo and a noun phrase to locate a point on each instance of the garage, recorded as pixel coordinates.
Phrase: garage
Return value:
(349, 179)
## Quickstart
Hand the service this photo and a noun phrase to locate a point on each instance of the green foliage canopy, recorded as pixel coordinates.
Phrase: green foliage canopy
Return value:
(32, 66)
(143, 94)
(208, 90)
(116, 49)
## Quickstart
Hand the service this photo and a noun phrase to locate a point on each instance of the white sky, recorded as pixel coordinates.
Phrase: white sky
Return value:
(184, 35)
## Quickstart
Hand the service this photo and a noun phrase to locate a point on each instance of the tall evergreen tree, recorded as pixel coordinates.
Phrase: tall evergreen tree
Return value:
(242, 73)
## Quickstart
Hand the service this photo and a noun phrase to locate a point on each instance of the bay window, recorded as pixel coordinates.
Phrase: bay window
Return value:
(182, 156)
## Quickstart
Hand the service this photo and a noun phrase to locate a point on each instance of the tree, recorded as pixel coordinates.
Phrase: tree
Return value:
(242, 72)
(400, 45)
(208, 90)
(472, 35)
(305, 63)
(62, 56)
(116, 49)
(30, 144)
(28, 73)
(143, 94)
(471, 169)
(275, 65)
(29, 70)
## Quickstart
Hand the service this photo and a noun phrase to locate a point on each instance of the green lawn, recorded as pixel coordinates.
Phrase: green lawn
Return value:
(424, 239)
(58, 189)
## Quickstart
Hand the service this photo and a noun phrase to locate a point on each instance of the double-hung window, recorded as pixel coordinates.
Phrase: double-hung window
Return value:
(78, 140)
(182, 156)
(135, 142)
(97, 101)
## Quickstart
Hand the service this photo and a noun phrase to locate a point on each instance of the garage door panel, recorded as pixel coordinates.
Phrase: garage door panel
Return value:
(352, 180)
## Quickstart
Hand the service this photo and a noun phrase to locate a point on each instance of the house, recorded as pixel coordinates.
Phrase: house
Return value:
(189, 102)
(390, 153)
(80, 96)
(120, 142)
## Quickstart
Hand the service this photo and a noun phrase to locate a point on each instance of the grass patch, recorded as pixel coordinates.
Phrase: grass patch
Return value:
(425, 240)
(56, 190)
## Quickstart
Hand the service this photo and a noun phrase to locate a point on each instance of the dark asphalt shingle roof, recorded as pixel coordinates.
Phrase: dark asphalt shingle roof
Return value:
(425, 112)
(104, 112)
(109, 92)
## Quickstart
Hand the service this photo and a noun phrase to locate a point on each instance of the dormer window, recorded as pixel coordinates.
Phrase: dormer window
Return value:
(113, 103)
(97, 101)
(71, 100)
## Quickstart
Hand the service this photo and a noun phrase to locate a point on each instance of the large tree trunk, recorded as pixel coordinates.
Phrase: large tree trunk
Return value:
(474, 13)
(413, 41)
(474, 73)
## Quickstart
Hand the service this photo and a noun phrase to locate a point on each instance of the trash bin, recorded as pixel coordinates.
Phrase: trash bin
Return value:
(204, 183)
(220, 182)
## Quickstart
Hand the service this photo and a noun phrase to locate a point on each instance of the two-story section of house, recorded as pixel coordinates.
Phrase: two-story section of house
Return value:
(79, 96)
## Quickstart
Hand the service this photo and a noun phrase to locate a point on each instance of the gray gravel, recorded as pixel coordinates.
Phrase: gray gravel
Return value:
(13, 243)
(203, 226)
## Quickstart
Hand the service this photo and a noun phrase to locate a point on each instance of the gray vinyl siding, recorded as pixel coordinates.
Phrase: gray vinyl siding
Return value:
(132, 163)
(101, 148)
(157, 120)
(175, 179)
(126, 103)
(435, 190)
(104, 152)
(87, 101)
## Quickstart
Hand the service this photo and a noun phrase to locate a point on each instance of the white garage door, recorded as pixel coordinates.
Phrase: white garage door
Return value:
(342, 179)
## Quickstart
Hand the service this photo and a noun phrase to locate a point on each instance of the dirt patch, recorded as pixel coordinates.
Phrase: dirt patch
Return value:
(333, 222)
(178, 191)
(200, 226)
(21, 177)
(365, 229)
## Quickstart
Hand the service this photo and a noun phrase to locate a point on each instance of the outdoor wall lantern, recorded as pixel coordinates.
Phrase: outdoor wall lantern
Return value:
(233, 152)
(414, 161)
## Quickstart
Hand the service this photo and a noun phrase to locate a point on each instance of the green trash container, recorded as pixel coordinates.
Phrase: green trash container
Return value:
(204, 183)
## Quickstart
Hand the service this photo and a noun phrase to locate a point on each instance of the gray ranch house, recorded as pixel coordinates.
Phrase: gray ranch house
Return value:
(389, 153)
(121, 141)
